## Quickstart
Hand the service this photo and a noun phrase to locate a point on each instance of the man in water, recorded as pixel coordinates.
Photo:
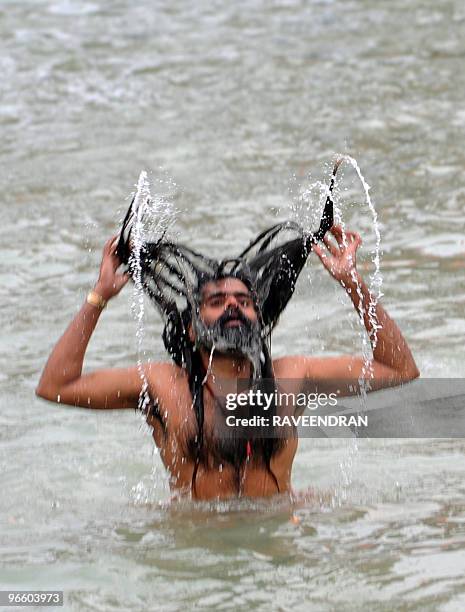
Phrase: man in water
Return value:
(228, 315)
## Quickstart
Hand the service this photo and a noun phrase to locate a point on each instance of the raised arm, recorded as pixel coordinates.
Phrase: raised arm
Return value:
(392, 362)
(62, 380)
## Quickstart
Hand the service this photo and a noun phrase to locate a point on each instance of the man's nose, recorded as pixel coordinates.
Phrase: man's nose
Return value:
(231, 302)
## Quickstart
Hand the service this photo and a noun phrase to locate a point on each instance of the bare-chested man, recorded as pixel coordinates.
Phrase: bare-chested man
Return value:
(227, 300)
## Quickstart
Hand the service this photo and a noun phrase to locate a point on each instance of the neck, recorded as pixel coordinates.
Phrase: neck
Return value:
(226, 366)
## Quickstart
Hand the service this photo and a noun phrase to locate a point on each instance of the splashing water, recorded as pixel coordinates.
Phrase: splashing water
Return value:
(304, 209)
(209, 367)
(375, 293)
(376, 279)
(153, 215)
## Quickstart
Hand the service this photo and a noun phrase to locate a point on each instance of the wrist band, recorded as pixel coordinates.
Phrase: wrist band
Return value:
(96, 300)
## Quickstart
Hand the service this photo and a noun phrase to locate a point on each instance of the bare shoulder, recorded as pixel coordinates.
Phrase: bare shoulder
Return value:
(169, 391)
(290, 366)
(343, 372)
(164, 377)
(301, 366)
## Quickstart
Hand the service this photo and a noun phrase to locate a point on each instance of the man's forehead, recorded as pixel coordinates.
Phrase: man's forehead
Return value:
(225, 285)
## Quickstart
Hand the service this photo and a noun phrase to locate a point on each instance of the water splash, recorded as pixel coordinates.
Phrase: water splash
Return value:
(153, 216)
(374, 289)
(209, 367)
(305, 208)
(376, 279)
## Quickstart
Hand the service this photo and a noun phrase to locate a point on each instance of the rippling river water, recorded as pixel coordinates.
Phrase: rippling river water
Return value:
(240, 105)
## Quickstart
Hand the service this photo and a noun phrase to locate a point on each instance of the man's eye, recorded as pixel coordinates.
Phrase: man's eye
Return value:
(215, 302)
(246, 302)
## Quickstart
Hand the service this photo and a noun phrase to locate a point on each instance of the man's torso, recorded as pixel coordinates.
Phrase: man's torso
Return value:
(175, 430)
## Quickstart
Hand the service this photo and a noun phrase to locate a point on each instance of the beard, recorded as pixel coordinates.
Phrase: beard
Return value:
(240, 340)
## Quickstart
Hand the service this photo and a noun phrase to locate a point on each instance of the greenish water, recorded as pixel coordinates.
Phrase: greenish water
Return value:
(241, 105)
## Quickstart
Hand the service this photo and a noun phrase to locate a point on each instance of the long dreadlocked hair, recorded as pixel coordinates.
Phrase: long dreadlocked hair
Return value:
(172, 275)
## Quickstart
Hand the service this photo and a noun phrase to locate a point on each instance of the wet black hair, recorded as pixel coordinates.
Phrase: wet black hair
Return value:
(173, 275)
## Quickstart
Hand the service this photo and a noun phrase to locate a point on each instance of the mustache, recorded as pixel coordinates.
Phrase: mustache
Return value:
(243, 339)
(233, 314)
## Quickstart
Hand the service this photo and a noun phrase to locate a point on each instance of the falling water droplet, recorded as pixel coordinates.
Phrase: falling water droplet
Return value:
(153, 216)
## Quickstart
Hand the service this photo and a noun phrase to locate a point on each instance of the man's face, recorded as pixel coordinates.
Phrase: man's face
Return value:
(228, 299)
(228, 319)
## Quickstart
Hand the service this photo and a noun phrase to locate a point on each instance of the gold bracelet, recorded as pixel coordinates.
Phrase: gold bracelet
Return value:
(96, 300)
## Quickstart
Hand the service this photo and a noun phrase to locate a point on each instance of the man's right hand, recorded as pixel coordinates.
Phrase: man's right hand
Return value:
(110, 282)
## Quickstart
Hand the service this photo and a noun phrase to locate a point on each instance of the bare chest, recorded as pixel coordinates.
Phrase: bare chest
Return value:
(214, 478)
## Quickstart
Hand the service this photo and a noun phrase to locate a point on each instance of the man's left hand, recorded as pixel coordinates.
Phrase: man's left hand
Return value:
(340, 259)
